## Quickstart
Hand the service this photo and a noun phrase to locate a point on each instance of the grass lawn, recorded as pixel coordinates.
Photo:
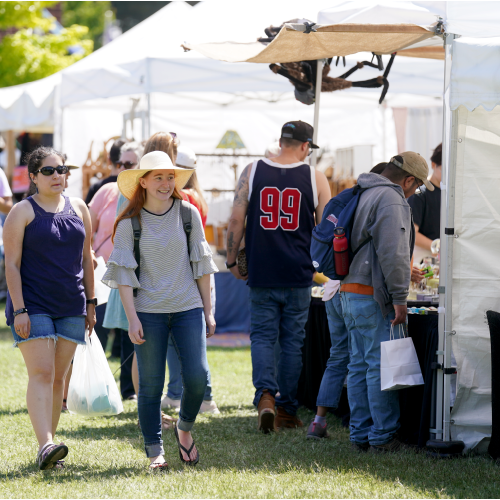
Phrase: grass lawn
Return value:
(106, 456)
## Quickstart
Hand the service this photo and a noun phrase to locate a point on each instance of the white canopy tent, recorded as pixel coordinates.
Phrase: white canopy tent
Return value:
(200, 98)
(472, 225)
(471, 137)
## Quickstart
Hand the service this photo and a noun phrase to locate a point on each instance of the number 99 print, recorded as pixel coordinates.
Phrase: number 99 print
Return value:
(281, 208)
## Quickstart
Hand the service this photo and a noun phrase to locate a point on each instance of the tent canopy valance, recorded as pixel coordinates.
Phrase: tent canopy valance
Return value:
(293, 43)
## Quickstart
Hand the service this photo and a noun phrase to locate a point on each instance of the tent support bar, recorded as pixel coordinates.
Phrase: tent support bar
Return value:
(319, 78)
(445, 275)
(450, 222)
(148, 121)
(11, 154)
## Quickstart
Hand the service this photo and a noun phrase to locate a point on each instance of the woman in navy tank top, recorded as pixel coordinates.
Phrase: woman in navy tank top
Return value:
(50, 274)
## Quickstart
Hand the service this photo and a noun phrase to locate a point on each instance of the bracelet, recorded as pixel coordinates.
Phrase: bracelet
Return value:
(229, 266)
(92, 301)
(20, 311)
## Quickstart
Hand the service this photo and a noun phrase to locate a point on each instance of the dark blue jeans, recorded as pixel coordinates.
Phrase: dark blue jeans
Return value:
(189, 337)
(332, 383)
(278, 314)
(374, 413)
(174, 388)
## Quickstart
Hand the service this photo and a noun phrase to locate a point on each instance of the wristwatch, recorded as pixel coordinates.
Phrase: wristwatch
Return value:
(229, 266)
(20, 311)
(92, 301)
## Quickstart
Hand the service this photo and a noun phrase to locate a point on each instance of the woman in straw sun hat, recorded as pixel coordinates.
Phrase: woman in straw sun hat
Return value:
(173, 289)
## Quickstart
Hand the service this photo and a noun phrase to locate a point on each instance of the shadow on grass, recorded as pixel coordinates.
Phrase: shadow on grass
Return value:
(11, 413)
(229, 443)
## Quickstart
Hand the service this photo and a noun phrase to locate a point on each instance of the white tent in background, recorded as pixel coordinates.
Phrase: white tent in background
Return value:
(200, 98)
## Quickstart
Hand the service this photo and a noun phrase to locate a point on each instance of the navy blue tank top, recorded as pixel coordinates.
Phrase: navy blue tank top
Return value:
(52, 264)
(280, 220)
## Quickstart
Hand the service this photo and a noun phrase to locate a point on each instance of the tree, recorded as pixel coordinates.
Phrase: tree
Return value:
(90, 14)
(34, 52)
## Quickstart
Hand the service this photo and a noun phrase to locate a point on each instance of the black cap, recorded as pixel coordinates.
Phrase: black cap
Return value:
(300, 131)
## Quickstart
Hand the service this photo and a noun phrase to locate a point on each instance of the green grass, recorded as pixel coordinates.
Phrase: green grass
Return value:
(107, 459)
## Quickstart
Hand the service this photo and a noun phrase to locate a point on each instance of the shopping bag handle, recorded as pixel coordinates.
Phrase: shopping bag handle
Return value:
(400, 329)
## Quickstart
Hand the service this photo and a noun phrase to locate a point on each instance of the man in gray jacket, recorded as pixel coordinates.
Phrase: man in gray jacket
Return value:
(374, 294)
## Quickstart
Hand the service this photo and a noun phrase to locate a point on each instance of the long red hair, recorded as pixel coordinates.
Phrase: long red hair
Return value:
(136, 204)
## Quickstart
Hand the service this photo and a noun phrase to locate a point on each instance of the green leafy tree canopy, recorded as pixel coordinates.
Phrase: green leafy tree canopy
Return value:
(90, 14)
(33, 52)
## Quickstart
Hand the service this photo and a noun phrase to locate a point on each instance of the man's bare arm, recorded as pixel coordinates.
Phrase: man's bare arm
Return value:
(236, 226)
(324, 194)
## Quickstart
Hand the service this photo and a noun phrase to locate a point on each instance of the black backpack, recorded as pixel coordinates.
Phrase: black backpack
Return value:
(137, 229)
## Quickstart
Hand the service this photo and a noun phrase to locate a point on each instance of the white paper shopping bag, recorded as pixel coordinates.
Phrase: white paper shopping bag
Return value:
(399, 366)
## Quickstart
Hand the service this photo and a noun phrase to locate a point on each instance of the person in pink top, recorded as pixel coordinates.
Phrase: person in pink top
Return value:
(102, 210)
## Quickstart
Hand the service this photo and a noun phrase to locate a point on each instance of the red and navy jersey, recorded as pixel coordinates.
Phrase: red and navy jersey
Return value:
(280, 220)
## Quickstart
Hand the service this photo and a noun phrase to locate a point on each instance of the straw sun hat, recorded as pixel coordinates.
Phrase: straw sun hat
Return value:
(128, 180)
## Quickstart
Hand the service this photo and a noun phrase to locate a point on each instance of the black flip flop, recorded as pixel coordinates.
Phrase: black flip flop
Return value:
(187, 452)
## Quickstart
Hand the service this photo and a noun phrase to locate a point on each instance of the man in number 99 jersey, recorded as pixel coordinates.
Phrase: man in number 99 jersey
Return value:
(281, 200)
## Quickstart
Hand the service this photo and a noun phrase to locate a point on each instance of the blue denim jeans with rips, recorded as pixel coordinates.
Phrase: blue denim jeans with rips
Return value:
(187, 329)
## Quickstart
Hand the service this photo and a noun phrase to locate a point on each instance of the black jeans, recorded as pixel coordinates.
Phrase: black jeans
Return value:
(127, 348)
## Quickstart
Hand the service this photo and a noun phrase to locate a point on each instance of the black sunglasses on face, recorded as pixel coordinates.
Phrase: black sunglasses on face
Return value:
(61, 170)
(126, 164)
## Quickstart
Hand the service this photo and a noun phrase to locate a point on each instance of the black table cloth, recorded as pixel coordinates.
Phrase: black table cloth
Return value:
(415, 402)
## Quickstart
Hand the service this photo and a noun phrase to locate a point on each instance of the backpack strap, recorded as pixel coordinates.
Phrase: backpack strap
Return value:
(186, 222)
(136, 227)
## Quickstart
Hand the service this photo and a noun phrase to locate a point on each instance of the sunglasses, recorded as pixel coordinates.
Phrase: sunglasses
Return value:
(126, 164)
(61, 170)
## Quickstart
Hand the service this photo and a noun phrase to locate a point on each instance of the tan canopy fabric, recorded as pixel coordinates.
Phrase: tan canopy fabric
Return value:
(292, 44)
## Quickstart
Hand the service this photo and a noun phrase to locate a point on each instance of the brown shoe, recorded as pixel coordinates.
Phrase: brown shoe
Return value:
(392, 446)
(266, 412)
(286, 421)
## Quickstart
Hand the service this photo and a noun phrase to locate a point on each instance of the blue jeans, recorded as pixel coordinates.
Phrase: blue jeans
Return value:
(336, 367)
(187, 329)
(174, 388)
(278, 314)
(374, 413)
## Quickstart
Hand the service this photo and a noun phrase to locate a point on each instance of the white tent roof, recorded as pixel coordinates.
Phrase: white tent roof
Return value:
(148, 58)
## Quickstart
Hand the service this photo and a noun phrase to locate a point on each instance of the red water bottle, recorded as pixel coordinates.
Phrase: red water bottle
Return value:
(341, 252)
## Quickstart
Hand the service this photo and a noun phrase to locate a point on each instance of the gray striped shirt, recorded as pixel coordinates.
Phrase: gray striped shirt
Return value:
(167, 280)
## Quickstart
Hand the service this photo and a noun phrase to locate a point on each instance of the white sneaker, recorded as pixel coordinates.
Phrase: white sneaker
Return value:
(167, 402)
(209, 407)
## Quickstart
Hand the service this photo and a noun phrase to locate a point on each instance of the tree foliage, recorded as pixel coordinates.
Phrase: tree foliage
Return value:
(24, 15)
(90, 14)
(33, 52)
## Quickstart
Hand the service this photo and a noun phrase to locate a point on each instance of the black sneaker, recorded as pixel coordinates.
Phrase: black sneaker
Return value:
(393, 446)
(316, 431)
(360, 447)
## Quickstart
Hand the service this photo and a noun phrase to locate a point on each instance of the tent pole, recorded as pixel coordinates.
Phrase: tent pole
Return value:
(148, 96)
(446, 251)
(11, 155)
(319, 77)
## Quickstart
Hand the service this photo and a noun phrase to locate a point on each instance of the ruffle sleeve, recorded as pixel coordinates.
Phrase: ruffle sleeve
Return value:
(201, 259)
(121, 265)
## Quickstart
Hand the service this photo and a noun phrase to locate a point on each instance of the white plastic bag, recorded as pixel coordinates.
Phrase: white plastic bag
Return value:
(399, 366)
(101, 291)
(92, 389)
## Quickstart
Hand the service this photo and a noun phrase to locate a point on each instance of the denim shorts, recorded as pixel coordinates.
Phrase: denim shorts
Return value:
(43, 326)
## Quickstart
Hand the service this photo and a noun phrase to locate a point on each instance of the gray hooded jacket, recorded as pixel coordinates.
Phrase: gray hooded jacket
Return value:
(384, 263)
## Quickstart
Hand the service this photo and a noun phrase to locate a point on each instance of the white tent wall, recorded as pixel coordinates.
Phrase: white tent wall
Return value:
(474, 131)
(476, 276)
(424, 131)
